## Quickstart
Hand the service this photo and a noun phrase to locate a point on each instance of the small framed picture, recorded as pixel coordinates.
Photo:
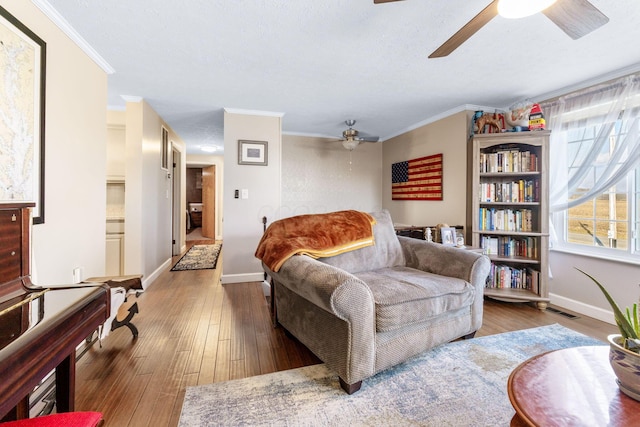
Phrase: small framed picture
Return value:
(252, 153)
(448, 236)
(164, 155)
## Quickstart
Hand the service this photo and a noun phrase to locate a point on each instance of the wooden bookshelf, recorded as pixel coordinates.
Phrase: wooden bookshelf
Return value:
(510, 213)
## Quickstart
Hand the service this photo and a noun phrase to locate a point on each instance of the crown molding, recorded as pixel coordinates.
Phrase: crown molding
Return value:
(464, 107)
(66, 28)
(311, 135)
(132, 98)
(253, 112)
(455, 110)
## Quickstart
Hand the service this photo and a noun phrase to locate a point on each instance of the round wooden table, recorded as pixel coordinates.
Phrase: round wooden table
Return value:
(570, 387)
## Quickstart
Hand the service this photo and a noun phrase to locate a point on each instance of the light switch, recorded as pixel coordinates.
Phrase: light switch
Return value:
(245, 193)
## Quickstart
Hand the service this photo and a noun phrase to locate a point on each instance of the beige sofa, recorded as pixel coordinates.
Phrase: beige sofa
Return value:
(367, 310)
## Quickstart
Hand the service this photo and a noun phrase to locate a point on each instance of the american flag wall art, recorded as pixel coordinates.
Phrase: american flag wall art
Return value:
(417, 179)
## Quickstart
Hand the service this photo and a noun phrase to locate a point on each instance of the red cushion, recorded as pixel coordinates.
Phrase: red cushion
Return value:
(63, 419)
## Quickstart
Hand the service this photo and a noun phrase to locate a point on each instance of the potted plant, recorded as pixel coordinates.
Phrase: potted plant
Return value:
(624, 348)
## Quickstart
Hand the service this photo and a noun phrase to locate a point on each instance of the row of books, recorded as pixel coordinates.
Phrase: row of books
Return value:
(510, 191)
(506, 277)
(507, 246)
(492, 219)
(509, 161)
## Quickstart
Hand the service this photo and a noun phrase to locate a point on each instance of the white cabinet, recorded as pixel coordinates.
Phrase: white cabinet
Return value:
(115, 248)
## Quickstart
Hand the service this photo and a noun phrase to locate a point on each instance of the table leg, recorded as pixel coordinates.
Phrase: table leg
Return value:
(516, 421)
(66, 384)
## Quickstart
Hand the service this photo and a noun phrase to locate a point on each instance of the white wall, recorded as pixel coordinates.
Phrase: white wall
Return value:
(242, 221)
(116, 144)
(133, 222)
(319, 175)
(148, 214)
(73, 234)
(156, 195)
(572, 290)
(449, 137)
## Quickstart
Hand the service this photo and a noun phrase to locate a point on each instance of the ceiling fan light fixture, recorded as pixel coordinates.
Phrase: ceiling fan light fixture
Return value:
(514, 9)
(208, 148)
(350, 144)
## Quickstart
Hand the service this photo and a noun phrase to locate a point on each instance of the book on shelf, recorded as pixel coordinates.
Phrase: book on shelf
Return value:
(492, 219)
(509, 277)
(508, 246)
(509, 161)
(518, 191)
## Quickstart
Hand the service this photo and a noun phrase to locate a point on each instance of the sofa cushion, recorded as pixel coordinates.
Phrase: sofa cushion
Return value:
(404, 295)
(386, 252)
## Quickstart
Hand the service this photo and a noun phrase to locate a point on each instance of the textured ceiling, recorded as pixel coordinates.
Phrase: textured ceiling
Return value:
(324, 61)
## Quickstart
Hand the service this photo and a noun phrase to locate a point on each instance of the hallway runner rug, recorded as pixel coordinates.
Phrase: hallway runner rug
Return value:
(456, 384)
(199, 257)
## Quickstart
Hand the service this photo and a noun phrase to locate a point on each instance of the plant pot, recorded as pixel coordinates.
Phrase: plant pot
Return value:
(626, 367)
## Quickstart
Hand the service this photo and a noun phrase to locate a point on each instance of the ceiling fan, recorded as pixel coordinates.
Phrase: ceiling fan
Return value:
(577, 18)
(351, 138)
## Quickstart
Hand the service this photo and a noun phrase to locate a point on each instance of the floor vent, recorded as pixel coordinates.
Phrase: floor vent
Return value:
(562, 313)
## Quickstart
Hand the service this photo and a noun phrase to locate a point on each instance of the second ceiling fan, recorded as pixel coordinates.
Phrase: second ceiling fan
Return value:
(351, 138)
(577, 18)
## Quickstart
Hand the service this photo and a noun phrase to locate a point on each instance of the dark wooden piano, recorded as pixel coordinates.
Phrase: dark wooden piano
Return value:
(40, 327)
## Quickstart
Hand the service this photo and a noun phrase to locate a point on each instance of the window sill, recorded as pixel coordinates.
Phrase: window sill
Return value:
(625, 259)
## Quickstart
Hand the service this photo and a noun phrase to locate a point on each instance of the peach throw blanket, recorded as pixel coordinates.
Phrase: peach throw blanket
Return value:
(319, 235)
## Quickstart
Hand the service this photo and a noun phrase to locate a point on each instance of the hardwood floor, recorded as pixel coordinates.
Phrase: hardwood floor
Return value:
(194, 330)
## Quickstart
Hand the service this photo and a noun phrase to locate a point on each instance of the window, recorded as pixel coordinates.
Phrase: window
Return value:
(595, 170)
(603, 220)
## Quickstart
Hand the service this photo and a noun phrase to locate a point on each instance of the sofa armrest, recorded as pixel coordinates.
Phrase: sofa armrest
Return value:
(326, 286)
(345, 339)
(446, 260)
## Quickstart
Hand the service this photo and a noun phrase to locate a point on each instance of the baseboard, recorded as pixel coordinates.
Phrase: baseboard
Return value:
(240, 278)
(582, 308)
(146, 281)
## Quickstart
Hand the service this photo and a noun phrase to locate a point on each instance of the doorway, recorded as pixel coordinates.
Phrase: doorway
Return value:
(200, 199)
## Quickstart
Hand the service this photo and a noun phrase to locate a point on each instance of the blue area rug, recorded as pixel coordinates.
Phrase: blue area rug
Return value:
(457, 384)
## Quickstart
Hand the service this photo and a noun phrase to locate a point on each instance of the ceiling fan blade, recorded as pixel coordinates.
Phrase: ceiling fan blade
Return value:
(384, 1)
(577, 18)
(470, 28)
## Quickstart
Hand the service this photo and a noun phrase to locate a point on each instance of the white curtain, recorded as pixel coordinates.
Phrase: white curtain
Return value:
(599, 110)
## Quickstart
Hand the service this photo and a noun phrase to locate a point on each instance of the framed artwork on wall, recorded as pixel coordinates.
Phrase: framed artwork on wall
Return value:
(417, 179)
(164, 155)
(252, 153)
(22, 102)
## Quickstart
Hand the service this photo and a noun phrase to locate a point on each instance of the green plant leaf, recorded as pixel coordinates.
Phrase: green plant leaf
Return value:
(626, 329)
